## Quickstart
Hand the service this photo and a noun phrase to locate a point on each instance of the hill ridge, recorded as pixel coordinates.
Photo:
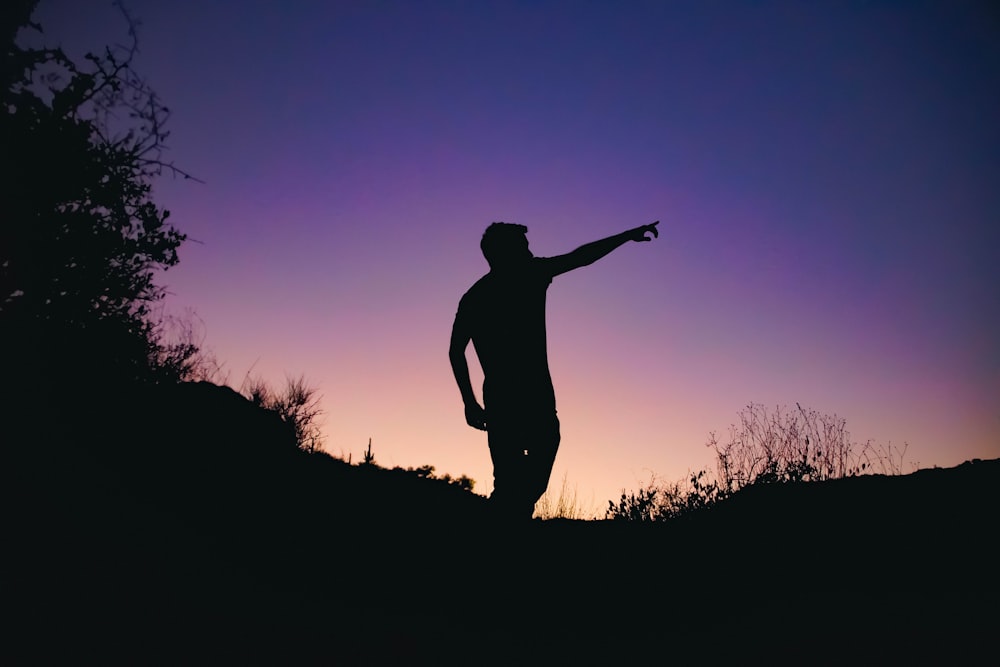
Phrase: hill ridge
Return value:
(198, 544)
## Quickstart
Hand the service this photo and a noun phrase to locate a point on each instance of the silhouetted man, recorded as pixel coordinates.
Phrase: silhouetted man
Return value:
(503, 314)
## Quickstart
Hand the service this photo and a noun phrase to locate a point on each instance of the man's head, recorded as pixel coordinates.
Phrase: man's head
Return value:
(505, 243)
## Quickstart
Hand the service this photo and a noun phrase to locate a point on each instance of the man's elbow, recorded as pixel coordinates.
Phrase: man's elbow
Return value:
(583, 257)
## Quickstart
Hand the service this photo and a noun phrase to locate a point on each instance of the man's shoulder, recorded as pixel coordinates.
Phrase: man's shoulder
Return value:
(536, 271)
(474, 293)
(478, 286)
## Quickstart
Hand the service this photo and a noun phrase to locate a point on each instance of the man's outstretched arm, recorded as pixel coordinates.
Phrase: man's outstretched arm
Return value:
(591, 252)
(475, 416)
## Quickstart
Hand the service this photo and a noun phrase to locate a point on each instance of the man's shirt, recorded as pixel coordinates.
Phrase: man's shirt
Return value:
(504, 314)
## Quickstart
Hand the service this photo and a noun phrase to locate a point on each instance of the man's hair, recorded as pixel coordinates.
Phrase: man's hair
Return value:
(498, 239)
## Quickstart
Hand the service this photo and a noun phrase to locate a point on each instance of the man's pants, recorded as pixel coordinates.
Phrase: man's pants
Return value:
(523, 447)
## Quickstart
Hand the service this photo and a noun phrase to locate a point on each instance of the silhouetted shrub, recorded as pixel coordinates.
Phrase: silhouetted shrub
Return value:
(427, 472)
(179, 352)
(660, 501)
(780, 445)
(423, 472)
(297, 405)
(764, 447)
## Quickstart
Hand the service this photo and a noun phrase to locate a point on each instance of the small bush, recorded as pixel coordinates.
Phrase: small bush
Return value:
(297, 405)
(764, 447)
(424, 472)
(660, 501)
(780, 445)
(427, 472)
(177, 352)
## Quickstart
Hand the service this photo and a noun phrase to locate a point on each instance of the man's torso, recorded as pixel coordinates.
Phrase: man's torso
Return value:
(505, 314)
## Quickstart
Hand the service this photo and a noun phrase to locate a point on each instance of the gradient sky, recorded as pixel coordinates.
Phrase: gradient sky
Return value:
(827, 176)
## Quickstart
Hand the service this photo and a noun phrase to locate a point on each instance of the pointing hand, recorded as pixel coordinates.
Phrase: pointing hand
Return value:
(639, 233)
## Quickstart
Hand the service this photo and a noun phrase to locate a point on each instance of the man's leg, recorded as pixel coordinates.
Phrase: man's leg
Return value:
(523, 451)
(510, 471)
(542, 447)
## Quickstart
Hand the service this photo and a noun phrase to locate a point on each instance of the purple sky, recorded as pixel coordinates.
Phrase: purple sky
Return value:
(827, 176)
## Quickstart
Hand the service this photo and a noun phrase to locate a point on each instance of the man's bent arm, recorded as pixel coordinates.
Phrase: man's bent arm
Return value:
(475, 416)
(591, 252)
(460, 367)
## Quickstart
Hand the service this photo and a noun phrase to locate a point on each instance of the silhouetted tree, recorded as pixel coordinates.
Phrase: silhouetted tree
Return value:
(81, 239)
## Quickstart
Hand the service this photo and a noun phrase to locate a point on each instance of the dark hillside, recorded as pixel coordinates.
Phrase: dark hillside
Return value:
(181, 524)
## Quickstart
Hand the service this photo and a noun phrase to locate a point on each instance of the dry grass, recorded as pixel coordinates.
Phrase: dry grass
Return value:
(565, 505)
